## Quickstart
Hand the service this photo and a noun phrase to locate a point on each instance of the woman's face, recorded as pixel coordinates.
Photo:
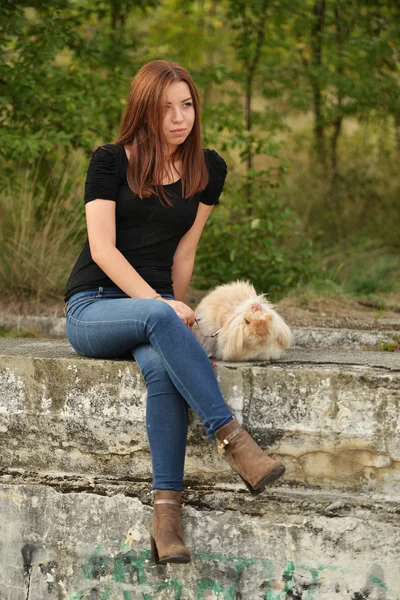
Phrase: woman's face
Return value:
(179, 114)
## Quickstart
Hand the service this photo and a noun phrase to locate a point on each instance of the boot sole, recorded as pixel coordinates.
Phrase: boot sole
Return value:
(260, 487)
(178, 559)
(174, 558)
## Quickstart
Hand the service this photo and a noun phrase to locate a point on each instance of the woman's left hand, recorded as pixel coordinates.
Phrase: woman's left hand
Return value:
(183, 311)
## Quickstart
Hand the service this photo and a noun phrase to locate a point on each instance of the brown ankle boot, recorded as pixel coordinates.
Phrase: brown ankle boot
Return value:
(167, 545)
(245, 456)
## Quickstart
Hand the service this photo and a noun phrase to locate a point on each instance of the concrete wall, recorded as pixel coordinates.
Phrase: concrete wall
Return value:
(75, 482)
(86, 546)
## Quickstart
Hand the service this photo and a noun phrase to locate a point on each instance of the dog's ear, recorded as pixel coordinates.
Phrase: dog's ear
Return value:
(284, 335)
(233, 341)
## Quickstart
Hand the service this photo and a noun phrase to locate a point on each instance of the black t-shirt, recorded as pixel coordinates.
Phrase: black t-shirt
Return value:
(147, 232)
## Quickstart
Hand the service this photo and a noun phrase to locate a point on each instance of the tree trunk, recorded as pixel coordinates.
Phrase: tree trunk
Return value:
(251, 72)
(397, 130)
(337, 123)
(210, 53)
(316, 48)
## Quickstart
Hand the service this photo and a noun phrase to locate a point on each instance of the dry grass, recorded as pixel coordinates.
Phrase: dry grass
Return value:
(40, 237)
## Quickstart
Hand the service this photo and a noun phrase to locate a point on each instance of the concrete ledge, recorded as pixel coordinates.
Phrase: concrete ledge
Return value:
(350, 339)
(75, 482)
(333, 417)
(89, 547)
(304, 337)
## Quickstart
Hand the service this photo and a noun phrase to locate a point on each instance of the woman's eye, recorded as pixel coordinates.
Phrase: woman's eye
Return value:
(187, 104)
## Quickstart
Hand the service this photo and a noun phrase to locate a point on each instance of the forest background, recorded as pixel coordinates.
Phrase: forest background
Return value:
(301, 97)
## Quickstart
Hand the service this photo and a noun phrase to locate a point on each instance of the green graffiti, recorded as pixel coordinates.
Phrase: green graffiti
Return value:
(127, 563)
(98, 564)
(369, 578)
(131, 569)
(221, 593)
(275, 590)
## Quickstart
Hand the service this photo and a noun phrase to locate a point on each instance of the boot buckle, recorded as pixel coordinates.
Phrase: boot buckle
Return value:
(221, 446)
(227, 439)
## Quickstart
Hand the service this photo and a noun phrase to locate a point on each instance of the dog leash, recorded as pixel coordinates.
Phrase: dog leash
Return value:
(203, 334)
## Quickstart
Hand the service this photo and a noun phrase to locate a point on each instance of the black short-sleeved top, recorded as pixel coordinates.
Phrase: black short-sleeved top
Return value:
(147, 232)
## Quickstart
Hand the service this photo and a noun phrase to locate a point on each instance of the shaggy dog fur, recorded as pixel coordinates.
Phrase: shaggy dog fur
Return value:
(249, 327)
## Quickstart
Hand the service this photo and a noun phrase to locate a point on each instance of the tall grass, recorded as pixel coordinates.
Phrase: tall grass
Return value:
(361, 269)
(41, 233)
(353, 218)
(361, 202)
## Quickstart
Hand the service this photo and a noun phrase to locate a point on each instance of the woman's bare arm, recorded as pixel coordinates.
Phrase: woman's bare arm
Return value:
(100, 218)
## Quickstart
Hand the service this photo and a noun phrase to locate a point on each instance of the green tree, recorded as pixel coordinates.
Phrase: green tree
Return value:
(64, 73)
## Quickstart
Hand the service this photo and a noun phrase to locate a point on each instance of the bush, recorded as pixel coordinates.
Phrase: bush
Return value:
(260, 241)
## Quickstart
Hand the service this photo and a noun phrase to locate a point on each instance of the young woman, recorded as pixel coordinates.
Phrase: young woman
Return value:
(148, 197)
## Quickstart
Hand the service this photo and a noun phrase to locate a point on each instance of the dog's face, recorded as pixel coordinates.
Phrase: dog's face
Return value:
(257, 325)
(251, 326)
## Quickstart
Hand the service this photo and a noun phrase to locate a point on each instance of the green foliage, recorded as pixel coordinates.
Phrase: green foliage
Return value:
(361, 270)
(262, 245)
(393, 346)
(56, 65)
(280, 81)
(361, 210)
(8, 332)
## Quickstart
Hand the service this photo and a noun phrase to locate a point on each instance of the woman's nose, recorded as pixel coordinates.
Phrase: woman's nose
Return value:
(177, 116)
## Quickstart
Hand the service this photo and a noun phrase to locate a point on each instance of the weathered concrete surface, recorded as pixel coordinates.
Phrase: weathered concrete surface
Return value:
(90, 547)
(304, 337)
(75, 482)
(352, 339)
(332, 417)
(46, 348)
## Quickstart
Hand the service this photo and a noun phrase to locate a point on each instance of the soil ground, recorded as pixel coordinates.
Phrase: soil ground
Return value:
(299, 308)
(343, 312)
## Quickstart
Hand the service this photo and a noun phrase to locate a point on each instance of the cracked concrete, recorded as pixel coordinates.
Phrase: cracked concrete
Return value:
(75, 482)
(81, 546)
(333, 417)
(304, 337)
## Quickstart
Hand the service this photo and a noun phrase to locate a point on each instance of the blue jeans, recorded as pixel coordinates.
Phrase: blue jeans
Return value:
(106, 323)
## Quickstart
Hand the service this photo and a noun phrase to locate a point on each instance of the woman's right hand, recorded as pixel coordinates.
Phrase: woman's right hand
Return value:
(183, 311)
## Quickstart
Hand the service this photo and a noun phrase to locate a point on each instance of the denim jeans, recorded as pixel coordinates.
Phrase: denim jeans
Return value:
(106, 323)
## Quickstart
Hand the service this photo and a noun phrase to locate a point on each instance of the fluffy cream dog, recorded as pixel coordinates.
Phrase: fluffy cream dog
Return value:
(234, 323)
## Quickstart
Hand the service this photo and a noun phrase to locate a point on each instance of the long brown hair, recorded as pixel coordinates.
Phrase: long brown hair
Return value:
(141, 131)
